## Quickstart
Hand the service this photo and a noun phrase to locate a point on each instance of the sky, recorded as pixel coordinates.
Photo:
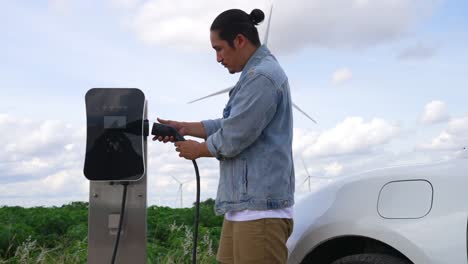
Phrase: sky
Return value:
(385, 80)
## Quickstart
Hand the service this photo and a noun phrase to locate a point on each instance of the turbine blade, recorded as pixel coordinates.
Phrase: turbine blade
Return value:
(322, 177)
(304, 113)
(267, 33)
(213, 94)
(312, 177)
(187, 181)
(305, 167)
(176, 179)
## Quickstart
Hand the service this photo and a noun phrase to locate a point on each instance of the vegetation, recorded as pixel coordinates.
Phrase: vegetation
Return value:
(59, 234)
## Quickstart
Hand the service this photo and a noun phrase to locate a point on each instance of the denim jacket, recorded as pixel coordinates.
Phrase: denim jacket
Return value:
(253, 139)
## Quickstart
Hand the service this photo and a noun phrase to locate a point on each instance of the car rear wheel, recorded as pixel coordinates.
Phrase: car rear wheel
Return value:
(370, 259)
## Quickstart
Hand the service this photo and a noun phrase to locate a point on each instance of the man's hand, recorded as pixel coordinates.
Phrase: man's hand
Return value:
(192, 150)
(189, 149)
(177, 125)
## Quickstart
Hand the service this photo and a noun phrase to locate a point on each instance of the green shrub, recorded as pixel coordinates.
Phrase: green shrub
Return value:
(58, 235)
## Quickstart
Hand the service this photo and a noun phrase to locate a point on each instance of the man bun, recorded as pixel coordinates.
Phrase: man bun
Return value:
(233, 22)
(256, 16)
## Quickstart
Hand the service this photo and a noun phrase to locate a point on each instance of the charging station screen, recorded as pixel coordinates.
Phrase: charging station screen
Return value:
(114, 143)
(115, 121)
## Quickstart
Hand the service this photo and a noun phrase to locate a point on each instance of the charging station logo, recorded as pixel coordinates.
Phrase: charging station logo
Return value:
(115, 146)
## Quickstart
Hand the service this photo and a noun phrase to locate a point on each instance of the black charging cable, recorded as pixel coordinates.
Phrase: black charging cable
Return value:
(197, 213)
(122, 212)
(163, 131)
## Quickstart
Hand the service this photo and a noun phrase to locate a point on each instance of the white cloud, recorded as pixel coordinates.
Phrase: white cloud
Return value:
(329, 23)
(23, 139)
(420, 51)
(434, 112)
(58, 5)
(40, 159)
(182, 23)
(31, 166)
(127, 4)
(34, 137)
(459, 126)
(453, 138)
(444, 141)
(60, 184)
(63, 7)
(333, 169)
(352, 136)
(69, 147)
(341, 76)
(66, 181)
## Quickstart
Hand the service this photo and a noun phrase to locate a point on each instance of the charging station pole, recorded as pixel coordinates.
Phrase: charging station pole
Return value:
(113, 132)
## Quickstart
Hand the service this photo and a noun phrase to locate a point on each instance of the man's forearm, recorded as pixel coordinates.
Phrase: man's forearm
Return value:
(204, 152)
(195, 129)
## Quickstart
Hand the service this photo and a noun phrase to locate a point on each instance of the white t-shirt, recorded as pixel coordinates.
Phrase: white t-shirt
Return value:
(249, 215)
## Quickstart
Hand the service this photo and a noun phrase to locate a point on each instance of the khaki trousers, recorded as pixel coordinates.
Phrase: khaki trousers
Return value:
(254, 242)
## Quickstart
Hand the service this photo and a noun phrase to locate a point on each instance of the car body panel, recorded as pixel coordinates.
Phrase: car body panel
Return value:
(348, 206)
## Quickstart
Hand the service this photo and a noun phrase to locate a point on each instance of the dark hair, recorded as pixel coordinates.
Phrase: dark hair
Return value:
(232, 22)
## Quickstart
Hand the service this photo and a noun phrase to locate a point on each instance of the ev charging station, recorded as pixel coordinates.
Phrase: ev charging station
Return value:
(115, 164)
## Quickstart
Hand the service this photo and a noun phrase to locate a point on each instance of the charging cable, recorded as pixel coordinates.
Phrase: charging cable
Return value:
(163, 131)
(122, 212)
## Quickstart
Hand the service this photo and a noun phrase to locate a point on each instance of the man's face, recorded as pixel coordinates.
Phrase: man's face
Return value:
(228, 56)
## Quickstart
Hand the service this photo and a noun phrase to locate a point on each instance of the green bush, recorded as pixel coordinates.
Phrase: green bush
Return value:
(59, 234)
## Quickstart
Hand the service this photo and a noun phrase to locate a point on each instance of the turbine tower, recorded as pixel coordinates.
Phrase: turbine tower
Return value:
(180, 190)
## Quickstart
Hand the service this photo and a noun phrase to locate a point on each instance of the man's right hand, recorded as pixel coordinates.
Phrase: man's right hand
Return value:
(175, 124)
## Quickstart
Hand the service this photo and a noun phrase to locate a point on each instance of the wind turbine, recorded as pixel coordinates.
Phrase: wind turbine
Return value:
(309, 176)
(229, 88)
(181, 185)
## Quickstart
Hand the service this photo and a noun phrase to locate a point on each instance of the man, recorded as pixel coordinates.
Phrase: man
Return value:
(252, 141)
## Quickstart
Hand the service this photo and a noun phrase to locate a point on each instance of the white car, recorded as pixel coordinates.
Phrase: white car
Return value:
(411, 214)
